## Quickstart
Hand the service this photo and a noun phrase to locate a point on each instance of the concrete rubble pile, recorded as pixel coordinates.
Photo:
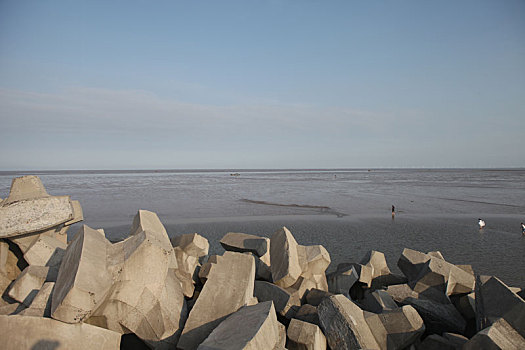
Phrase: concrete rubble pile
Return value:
(150, 291)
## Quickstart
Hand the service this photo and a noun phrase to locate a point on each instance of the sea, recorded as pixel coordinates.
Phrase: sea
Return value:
(348, 211)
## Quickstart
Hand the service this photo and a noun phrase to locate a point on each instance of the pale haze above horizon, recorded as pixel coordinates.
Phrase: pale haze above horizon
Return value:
(261, 84)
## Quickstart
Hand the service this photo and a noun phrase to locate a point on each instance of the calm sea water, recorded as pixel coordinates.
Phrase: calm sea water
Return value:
(347, 211)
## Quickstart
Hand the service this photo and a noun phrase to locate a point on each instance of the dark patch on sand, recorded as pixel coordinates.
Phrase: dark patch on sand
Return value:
(321, 208)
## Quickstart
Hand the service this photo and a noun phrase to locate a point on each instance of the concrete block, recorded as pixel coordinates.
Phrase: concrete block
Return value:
(284, 257)
(343, 323)
(307, 313)
(192, 243)
(34, 215)
(500, 335)
(41, 304)
(251, 327)
(282, 299)
(230, 286)
(318, 259)
(242, 242)
(305, 336)
(25, 188)
(28, 283)
(377, 262)
(315, 296)
(46, 251)
(378, 301)
(83, 279)
(24, 332)
(396, 329)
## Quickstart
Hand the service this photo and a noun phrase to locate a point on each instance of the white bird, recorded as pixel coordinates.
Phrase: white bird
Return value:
(481, 223)
(523, 228)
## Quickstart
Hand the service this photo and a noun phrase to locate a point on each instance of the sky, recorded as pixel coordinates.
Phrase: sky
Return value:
(261, 84)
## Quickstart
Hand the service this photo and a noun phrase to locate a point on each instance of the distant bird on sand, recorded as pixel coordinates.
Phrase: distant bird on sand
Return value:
(481, 223)
(523, 228)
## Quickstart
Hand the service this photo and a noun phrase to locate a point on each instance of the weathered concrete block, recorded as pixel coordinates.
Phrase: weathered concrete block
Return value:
(146, 220)
(318, 259)
(396, 329)
(78, 214)
(388, 280)
(282, 299)
(41, 304)
(457, 340)
(411, 262)
(46, 251)
(284, 257)
(438, 317)
(377, 302)
(305, 336)
(343, 323)
(340, 281)
(494, 300)
(315, 296)
(262, 270)
(192, 243)
(25, 188)
(205, 269)
(83, 279)
(33, 215)
(23, 332)
(229, 286)
(307, 313)
(251, 327)
(8, 262)
(377, 261)
(500, 335)
(28, 283)
(242, 242)
(187, 270)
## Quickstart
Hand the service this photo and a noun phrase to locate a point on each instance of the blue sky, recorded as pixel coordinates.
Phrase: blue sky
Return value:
(261, 84)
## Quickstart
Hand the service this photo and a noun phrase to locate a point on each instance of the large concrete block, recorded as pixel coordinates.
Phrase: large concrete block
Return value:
(315, 296)
(8, 262)
(28, 283)
(78, 214)
(377, 261)
(307, 313)
(146, 220)
(33, 215)
(187, 270)
(438, 317)
(411, 262)
(340, 281)
(251, 327)
(41, 304)
(500, 335)
(243, 242)
(282, 299)
(46, 251)
(377, 302)
(229, 286)
(396, 329)
(494, 300)
(83, 279)
(25, 188)
(284, 257)
(318, 259)
(305, 336)
(24, 332)
(343, 323)
(192, 243)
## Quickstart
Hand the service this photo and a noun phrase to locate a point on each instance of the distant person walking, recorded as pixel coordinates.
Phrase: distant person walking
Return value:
(393, 211)
(522, 228)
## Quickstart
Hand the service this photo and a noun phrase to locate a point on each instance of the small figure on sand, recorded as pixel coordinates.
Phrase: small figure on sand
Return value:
(481, 223)
(522, 228)
(393, 211)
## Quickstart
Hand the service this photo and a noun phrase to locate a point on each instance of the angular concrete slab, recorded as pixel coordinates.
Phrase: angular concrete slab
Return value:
(83, 279)
(41, 304)
(500, 335)
(315, 296)
(46, 251)
(146, 220)
(243, 242)
(284, 257)
(438, 317)
(192, 243)
(377, 261)
(378, 301)
(340, 281)
(251, 327)
(25, 188)
(33, 215)
(307, 313)
(305, 336)
(318, 259)
(24, 332)
(229, 287)
(28, 283)
(343, 323)
(282, 299)
(396, 329)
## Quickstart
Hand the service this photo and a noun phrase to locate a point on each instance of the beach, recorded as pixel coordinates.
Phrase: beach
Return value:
(347, 211)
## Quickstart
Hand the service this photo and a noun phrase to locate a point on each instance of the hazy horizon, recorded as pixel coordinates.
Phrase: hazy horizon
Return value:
(266, 85)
